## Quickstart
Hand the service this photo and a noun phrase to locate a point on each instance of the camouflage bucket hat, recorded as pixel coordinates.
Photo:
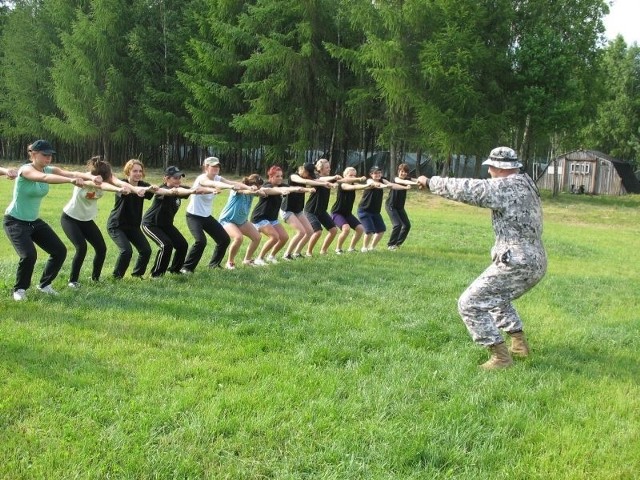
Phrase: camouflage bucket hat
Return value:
(504, 158)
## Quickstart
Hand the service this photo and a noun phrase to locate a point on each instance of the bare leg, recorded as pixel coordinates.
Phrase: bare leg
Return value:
(236, 241)
(272, 239)
(344, 233)
(312, 241)
(376, 238)
(283, 238)
(367, 240)
(302, 218)
(359, 230)
(253, 234)
(295, 223)
(331, 234)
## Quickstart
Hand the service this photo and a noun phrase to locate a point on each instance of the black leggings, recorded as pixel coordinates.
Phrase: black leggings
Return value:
(124, 238)
(198, 226)
(80, 233)
(24, 237)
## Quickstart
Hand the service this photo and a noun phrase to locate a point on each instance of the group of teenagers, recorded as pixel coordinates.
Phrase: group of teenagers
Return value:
(129, 226)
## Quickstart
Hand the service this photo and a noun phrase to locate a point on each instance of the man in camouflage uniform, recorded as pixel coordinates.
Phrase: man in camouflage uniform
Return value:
(518, 257)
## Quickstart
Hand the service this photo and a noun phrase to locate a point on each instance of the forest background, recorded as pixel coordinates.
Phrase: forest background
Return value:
(283, 81)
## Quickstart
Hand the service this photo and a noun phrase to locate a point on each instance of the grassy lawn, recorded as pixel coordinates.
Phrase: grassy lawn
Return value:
(350, 367)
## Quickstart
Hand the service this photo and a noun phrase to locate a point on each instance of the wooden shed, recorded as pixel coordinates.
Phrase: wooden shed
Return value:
(589, 171)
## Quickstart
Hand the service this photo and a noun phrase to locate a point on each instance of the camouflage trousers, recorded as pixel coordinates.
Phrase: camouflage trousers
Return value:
(485, 306)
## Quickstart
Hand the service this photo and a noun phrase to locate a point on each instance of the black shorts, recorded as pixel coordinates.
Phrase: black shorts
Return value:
(319, 221)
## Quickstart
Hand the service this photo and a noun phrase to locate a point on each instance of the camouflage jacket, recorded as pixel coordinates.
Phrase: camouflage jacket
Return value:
(514, 202)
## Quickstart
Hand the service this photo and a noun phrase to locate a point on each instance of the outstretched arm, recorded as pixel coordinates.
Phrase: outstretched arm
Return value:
(319, 182)
(11, 173)
(287, 190)
(140, 191)
(395, 186)
(182, 191)
(371, 183)
(350, 180)
(350, 186)
(107, 187)
(224, 184)
(274, 191)
(260, 192)
(30, 173)
(96, 179)
(331, 178)
(404, 181)
(473, 191)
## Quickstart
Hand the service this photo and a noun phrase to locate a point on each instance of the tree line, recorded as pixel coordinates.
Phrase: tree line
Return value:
(265, 81)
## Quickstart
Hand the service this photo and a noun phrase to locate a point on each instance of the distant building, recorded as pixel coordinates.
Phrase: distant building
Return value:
(590, 172)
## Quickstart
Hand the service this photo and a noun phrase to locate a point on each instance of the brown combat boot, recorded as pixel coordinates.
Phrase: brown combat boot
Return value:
(500, 357)
(519, 346)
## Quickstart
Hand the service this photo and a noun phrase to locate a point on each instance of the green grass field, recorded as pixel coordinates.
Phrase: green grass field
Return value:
(350, 367)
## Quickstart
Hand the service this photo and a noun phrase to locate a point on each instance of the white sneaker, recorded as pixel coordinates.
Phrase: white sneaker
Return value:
(20, 294)
(73, 285)
(48, 289)
(272, 259)
(339, 251)
(364, 250)
(185, 271)
(259, 262)
(351, 250)
(230, 266)
(392, 247)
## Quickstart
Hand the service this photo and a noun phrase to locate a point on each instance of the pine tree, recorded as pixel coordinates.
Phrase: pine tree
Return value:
(466, 67)
(211, 73)
(555, 49)
(91, 82)
(289, 78)
(155, 46)
(616, 126)
(24, 73)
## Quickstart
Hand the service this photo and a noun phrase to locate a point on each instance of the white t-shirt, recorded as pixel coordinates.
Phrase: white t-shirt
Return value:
(83, 205)
(201, 205)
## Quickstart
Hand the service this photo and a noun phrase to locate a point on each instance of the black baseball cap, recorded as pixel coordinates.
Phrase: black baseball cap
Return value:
(42, 146)
(173, 171)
